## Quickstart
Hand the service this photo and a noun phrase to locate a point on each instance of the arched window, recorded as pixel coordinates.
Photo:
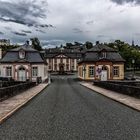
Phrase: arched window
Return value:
(104, 68)
(21, 68)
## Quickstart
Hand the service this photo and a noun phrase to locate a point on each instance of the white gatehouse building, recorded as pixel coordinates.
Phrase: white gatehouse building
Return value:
(23, 64)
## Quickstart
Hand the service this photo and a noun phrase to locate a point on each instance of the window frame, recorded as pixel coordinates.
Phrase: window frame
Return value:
(22, 54)
(55, 67)
(34, 73)
(116, 71)
(9, 71)
(67, 67)
(91, 71)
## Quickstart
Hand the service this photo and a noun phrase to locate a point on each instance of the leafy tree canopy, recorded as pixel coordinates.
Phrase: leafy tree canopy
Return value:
(89, 45)
(36, 43)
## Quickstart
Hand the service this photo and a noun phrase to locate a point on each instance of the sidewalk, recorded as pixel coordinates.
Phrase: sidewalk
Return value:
(124, 99)
(9, 106)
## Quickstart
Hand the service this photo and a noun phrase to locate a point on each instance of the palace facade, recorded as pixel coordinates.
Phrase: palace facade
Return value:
(63, 60)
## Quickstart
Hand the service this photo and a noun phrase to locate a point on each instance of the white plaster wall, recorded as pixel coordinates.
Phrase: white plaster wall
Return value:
(42, 72)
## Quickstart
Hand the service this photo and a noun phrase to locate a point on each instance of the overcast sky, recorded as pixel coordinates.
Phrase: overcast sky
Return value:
(59, 21)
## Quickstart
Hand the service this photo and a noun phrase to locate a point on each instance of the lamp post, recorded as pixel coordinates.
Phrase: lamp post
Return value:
(133, 62)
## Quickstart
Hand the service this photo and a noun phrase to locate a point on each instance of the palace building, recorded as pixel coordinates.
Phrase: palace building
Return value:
(63, 60)
(23, 64)
(101, 63)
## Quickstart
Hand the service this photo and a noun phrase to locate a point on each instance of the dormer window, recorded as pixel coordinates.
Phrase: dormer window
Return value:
(104, 55)
(21, 54)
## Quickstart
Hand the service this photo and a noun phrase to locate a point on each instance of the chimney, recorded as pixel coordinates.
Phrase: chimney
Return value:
(0, 53)
(97, 42)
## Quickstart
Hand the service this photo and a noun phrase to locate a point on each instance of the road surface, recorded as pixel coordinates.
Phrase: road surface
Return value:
(68, 111)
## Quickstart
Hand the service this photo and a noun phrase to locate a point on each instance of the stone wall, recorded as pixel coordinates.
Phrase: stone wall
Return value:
(6, 92)
(130, 89)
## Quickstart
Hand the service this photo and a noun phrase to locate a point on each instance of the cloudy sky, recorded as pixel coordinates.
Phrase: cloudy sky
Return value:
(58, 21)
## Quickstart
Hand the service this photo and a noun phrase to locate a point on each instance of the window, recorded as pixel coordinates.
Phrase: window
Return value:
(55, 60)
(8, 71)
(72, 68)
(55, 67)
(67, 60)
(104, 68)
(67, 67)
(21, 54)
(50, 67)
(72, 60)
(80, 71)
(116, 71)
(34, 71)
(91, 71)
(50, 60)
(104, 54)
(61, 60)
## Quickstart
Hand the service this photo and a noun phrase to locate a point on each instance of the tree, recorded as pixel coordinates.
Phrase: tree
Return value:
(127, 51)
(78, 43)
(6, 48)
(69, 45)
(89, 45)
(36, 44)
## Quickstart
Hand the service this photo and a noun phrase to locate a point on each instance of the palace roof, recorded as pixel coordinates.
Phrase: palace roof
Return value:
(71, 53)
(95, 54)
(31, 55)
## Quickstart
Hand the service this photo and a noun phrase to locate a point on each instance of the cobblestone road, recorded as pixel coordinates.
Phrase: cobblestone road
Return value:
(68, 111)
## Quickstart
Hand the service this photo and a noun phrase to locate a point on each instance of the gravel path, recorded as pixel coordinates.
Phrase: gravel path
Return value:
(67, 111)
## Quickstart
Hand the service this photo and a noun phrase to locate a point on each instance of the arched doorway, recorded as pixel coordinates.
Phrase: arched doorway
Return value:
(22, 74)
(104, 74)
(61, 68)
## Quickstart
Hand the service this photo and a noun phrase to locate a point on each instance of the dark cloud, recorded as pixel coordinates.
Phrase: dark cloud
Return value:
(23, 12)
(45, 26)
(39, 30)
(1, 33)
(126, 1)
(77, 30)
(90, 22)
(19, 34)
(28, 32)
(16, 21)
(103, 36)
